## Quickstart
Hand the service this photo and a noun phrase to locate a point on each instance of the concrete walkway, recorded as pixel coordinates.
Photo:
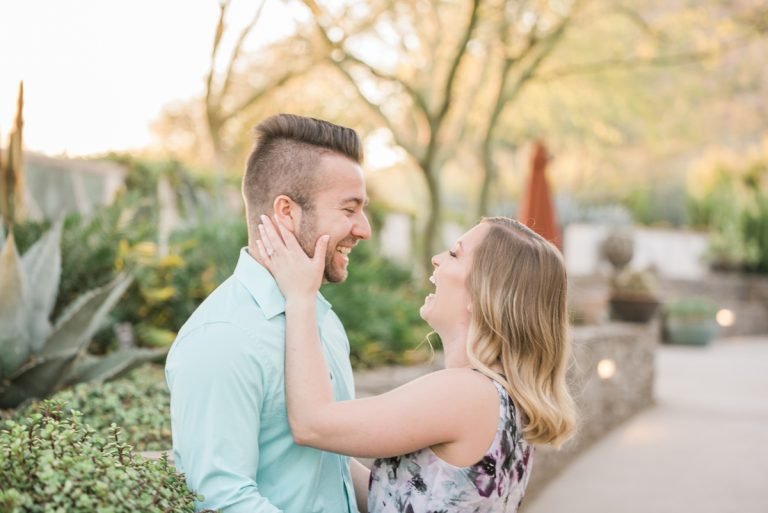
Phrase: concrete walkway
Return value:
(702, 448)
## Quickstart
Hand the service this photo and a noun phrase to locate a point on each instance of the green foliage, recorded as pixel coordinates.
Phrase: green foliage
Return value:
(379, 307)
(732, 200)
(378, 304)
(53, 461)
(36, 356)
(143, 177)
(657, 204)
(90, 245)
(139, 403)
(688, 309)
(169, 288)
(123, 238)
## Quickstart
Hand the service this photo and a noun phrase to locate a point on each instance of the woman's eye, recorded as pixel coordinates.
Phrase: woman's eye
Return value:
(452, 253)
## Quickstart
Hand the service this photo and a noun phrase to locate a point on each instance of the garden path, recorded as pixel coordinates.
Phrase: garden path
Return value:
(702, 447)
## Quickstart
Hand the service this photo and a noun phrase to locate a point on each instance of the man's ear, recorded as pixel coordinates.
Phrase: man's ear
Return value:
(287, 211)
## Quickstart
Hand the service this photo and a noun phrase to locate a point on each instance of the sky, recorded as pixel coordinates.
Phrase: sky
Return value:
(97, 72)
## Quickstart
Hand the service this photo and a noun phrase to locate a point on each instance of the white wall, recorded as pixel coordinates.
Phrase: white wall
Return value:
(674, 253)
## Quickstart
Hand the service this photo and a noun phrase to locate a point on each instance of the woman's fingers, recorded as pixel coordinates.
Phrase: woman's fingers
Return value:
(273, 239)
(288, 237)
(269, 250)
(321, 247)
(263, 253)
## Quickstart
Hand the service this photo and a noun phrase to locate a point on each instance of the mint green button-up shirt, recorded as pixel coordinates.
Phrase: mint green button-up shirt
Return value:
(230, 428)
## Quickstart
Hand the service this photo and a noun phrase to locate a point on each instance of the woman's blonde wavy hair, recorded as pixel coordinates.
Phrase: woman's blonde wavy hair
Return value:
(518, 287)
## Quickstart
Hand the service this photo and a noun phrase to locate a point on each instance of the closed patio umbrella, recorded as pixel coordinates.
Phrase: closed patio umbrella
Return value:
(537, 208)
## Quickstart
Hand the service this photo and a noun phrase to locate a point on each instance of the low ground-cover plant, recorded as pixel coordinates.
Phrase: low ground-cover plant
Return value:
(139, 403)
(53, 461)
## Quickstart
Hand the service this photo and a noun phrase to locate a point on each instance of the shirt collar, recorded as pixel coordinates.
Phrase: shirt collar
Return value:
(264, 290)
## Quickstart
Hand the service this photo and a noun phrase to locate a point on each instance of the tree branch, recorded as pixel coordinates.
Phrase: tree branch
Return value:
(549, 44)
(238, 48)
(461, 50)
(263, 91)
(413, 93)
(317, 14)
(377, 109)
(636, 19)
(615, 64)
(223, 6)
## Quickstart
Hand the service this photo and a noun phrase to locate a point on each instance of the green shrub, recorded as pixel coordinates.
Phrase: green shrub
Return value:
(122, 237)
(730, 197)
(139, 403)
(169, 288)
(379, 307)
(688, 309)
(52, 461)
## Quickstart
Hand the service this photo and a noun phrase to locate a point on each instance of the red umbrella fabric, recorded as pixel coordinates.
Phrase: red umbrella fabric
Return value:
(537, 209)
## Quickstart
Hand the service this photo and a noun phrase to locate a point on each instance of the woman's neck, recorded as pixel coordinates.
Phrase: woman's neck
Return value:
(455, 348)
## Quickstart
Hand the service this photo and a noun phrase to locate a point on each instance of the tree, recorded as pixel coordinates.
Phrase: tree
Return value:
(238, 82)
(420, 93)
(223, 104)
(526, 36)
(605, 75)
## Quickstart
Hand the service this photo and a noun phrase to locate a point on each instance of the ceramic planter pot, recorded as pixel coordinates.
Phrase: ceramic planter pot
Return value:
(633, 307)
(694, 332)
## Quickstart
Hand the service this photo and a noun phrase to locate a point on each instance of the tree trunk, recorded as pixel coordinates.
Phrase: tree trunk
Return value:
(432, 228)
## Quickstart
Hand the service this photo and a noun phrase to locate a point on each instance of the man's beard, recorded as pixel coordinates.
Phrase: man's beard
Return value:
(307, 238)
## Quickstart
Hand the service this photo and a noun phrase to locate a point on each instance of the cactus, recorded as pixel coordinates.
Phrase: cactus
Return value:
(634, 283)
(11, 170)
(37, 357)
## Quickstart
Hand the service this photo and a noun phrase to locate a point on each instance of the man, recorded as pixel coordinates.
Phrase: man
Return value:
(225, 370)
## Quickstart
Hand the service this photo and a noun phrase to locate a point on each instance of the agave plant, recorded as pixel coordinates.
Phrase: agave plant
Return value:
(38, 357)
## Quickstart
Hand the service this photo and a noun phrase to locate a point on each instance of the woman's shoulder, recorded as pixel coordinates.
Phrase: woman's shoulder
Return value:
(460, 387)
(457, 378)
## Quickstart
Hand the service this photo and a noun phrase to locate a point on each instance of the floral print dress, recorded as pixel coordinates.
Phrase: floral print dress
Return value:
(420, 482)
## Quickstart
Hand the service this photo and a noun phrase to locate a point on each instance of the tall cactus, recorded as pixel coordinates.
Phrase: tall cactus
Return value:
(37, 357)
(11, 169)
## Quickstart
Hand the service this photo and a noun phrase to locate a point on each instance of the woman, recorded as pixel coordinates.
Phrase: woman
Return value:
(460, 439)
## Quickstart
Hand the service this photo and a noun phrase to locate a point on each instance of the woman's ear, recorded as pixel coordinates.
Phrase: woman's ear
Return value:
(287, 212)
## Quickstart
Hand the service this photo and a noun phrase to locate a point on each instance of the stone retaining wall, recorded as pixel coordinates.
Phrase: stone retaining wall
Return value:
(602, 404)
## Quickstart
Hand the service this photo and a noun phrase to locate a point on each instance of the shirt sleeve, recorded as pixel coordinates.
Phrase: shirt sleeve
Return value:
(217, 394)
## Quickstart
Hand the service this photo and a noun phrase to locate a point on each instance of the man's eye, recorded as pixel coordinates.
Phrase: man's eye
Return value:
(452, 253)
(350, 210)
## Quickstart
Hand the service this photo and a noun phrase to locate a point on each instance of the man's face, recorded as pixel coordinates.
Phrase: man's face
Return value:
(338, 204)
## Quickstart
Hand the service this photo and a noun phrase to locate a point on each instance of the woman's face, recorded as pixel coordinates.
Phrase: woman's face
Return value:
(448, 307)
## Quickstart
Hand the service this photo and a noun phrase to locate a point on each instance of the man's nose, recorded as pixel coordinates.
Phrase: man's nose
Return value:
(362, 227)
